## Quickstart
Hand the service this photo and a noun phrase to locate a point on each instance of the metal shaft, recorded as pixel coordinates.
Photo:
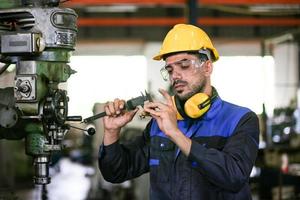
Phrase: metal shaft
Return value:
(41, 170)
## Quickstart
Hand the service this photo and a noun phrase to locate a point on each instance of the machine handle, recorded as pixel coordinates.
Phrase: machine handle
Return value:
(74, 118)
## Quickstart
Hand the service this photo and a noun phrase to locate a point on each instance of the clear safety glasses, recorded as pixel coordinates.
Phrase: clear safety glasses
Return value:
(185, 65)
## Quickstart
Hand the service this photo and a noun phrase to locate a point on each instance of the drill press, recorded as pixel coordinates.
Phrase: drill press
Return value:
(38, 37)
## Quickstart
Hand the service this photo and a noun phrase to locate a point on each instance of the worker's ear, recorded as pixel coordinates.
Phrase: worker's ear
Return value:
(208, 68)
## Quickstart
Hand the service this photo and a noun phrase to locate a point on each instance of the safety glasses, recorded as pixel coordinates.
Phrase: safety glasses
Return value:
(184, 65)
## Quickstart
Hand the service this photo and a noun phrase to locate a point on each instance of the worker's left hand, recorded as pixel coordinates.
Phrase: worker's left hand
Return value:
(164, 113)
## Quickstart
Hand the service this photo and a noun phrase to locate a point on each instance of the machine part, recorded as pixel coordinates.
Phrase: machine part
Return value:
(22, 43)
(8, 117)
(35, 142)
(25, 88)
(8, 113)
(64, 38)
(41, 2)
(58, 27)
(22, 20)
(44, 193)
(56, 107)
(90, 131)
(41, 169)
(10, 4)
(53, 147)
(129, 105)
(56, 133)
(74, 118)
(38, 38)
(7, 97)
(4, 68)
(15, 133)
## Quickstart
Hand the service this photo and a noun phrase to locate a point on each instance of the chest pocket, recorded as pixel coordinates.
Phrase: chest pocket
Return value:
(162, 155)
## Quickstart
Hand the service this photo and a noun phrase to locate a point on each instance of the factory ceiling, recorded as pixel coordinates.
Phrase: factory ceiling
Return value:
(151, 19)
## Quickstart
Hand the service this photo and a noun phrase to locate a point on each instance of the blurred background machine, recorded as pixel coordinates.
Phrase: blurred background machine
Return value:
(38, 38)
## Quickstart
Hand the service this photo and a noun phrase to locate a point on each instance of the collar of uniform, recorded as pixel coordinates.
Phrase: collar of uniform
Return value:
(214, 109)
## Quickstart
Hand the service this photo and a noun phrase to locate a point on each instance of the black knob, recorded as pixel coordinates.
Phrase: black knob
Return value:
(91, 131)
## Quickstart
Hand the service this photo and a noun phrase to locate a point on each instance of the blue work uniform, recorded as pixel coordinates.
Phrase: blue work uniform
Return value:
(223, 152)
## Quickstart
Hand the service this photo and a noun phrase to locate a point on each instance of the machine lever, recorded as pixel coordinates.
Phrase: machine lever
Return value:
(90, 131)
(74, 118)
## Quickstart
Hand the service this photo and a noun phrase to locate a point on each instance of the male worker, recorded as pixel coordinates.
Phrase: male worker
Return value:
(196, 145)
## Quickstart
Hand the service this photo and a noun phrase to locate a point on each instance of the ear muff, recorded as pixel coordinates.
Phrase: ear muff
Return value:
(194, 107)
(197, 105)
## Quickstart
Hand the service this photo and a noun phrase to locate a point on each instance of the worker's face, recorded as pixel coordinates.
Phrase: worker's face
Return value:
(187, 74)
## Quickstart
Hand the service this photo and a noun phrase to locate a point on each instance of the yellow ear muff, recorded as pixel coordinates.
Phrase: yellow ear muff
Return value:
(197, 105)
(194, 107)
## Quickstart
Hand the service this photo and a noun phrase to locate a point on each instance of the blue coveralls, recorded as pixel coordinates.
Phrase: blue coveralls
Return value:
(223, 152)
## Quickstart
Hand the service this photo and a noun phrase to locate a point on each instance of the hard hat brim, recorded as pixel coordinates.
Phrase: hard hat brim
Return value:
(157, 57)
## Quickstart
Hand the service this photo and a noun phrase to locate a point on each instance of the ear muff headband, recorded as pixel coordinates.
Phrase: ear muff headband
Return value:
(180, 110)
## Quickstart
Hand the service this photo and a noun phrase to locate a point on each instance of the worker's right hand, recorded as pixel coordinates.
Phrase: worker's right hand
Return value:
(116, 116)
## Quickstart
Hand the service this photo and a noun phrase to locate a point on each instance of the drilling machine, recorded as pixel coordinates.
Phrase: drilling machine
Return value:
(38, 37)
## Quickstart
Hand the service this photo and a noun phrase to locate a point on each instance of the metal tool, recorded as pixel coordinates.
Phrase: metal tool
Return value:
(129, 105)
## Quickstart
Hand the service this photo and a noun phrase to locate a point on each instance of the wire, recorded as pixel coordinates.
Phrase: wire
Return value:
(4, 68)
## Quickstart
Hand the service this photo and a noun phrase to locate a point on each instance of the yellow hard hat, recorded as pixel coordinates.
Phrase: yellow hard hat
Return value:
(186, 37)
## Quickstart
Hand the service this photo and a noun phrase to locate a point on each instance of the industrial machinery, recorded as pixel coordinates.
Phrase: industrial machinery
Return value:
(37, 37)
